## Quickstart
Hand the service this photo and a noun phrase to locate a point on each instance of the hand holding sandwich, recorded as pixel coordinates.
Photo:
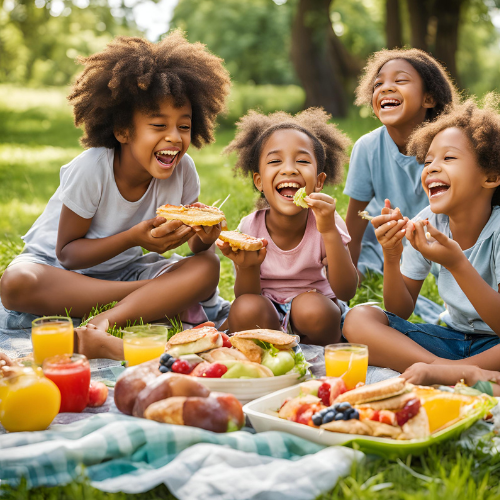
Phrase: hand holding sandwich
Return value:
(159, 235)
(243, 258)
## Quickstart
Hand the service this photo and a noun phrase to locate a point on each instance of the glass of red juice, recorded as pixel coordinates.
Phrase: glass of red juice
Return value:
(72, 375)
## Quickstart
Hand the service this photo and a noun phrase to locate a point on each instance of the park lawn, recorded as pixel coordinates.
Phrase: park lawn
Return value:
(37, 137)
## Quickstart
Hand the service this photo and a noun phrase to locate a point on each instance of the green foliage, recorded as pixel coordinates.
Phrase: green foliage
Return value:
(252, 37)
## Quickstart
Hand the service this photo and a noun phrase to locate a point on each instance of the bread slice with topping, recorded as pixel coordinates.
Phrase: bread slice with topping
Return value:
(192, 216)
(241, 241)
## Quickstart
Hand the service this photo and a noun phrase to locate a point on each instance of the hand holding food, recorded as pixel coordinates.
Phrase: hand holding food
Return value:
(390, 229)
(157, 236)
(323, 207)
(244, 250)
(438, 248)
(196, 214)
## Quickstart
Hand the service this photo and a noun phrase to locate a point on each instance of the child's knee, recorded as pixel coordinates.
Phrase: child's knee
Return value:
(357, 322)
(208, 267)
(16, 285)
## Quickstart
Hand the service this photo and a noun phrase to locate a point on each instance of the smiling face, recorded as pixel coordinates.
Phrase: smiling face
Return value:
(287, 163)
(399, 97)
(158, 140)
(452, 177)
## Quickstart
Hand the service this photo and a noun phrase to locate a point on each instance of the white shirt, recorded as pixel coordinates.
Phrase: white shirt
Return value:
(88, 188)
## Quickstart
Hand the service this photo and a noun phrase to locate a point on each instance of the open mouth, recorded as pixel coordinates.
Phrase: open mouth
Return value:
(166, 157)
(437, 188)
(288, 189)
(390, 103)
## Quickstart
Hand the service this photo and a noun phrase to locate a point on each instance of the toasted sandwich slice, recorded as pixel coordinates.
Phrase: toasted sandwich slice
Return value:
(194, 341)
(192, 216)
(241, 241)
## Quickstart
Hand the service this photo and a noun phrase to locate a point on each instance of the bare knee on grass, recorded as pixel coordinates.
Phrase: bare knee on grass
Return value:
(250, 311)
(316, 319)
(358, 321)
(203, 271)
(17, 286)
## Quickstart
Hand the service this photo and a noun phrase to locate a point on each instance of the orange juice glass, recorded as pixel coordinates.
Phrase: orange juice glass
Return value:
(348, 361)
(143, 343)
(51, 336)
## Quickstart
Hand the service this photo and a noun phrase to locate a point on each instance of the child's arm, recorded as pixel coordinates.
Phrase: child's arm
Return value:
(342, 274)
(447, 252)
(356, 227)
(74, 251)
(400, 292)
(247, 264)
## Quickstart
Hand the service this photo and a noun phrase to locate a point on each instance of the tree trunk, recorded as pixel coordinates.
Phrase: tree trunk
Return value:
(314, 59)
(448, 20)
(419, 13)
(393, 24)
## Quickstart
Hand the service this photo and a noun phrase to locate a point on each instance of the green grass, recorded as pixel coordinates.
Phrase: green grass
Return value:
(37, 137)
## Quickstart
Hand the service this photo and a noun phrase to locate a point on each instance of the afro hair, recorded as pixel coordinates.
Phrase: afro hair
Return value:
(436, 80)
(329, 142)
(481, 126)
(134, 74)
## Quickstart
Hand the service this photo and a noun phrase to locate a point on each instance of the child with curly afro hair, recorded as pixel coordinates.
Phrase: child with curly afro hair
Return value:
(284, 284)
(461, 178)
(404, 88)
(141, 105)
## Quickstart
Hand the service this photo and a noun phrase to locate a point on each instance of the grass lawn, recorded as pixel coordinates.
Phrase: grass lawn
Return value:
(37, 137)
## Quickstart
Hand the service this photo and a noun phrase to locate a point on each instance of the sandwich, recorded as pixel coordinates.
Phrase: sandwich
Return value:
(192, 216)
(390, 408)
(241, 241)
(271, 348)
(194, 341)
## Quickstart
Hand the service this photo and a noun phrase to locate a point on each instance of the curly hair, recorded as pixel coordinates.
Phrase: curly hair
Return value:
(132, 74)
(329, 142)
(434, 76)
(481, 126)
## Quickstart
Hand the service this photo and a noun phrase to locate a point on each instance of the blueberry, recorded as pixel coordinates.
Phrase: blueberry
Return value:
(329, 416)
(343, 406)
(355, 414)
(339, 416)
(322, 412)
(164, 369)
(317, 419)
(348, 413)
(164, 358)
(170, 362)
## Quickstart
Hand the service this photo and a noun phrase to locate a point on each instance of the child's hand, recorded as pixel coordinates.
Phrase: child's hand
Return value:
(207, 234)
(243, 258)
(438, 248)
(323, 207)
(158, 235)
(390, 230)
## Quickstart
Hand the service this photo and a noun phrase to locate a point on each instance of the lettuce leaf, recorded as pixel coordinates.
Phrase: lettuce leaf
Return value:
(299, 196)
(301, 365)
(267, 347)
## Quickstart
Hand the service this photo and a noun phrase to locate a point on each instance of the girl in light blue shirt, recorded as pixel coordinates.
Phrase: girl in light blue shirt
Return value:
(460, 231)
(404, 88)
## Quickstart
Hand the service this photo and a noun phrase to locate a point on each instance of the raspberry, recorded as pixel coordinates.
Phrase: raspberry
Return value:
(215, 370)
(181, 366)
(324, 393)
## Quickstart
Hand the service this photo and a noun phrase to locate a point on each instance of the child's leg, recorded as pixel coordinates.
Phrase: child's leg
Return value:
(386, 346)
(487, 360)
(251, 311)
(315, 318)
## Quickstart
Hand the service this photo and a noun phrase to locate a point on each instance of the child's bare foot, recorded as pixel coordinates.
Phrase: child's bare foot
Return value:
(95, 342)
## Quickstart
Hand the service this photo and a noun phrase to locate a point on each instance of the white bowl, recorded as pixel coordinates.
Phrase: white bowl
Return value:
(248, 389)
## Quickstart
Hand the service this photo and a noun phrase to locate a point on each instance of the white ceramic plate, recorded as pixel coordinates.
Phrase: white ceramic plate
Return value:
(250, 388)
(263, 416)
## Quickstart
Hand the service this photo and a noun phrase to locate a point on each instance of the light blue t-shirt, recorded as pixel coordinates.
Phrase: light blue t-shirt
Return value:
(484, 257)
(378, 171)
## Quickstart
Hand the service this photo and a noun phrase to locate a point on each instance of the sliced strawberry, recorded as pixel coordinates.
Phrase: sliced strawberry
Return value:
(409, 411)
(324, 393)
(225, 340)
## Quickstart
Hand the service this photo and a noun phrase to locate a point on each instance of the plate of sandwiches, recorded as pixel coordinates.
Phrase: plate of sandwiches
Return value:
(249, 364)
(390, 418)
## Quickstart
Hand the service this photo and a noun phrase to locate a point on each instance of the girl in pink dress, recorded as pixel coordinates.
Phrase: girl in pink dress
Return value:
(286, 284)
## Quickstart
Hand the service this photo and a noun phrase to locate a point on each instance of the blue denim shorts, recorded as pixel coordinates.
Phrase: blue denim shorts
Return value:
(443, 341)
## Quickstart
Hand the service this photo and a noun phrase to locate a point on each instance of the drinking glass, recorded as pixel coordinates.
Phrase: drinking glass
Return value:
(50, 336)
(348, 361)
(143, 343)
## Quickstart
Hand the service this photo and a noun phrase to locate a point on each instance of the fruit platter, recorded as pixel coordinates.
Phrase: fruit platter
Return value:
(391, 418)
(249, 364)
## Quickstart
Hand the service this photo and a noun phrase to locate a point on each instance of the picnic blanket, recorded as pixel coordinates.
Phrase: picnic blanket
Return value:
(122, 453)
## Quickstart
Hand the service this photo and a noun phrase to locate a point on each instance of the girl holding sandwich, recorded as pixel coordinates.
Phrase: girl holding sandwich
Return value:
(141, 105)
(285, 283)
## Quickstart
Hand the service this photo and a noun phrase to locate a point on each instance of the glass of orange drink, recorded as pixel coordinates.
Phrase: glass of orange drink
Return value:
(51, 335)
(143, 343)
(347, 361)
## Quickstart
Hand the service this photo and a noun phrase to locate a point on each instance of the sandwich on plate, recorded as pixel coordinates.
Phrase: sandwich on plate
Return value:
(194, 341)
(271, 348)
(192, 216)
(241, 241)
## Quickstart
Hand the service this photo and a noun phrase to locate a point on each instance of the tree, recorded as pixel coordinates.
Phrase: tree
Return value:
(393, 24)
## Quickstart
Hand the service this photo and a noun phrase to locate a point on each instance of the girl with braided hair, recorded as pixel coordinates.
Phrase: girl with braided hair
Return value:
(141, 106)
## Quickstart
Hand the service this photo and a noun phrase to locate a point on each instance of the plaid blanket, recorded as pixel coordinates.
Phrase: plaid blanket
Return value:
(121, 453)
